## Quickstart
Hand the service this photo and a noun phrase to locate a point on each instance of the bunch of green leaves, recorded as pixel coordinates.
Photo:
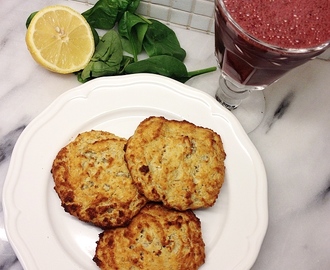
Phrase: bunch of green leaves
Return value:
(135, 34)
(165, 54)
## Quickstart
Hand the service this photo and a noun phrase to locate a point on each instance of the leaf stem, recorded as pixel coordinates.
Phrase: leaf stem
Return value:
(201, 71)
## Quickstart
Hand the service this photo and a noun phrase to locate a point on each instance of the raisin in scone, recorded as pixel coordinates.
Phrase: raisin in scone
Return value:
(93, 182)
(176, 163)
(157, 238)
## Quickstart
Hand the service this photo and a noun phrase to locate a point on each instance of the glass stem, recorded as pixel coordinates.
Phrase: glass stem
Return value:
(230, 95)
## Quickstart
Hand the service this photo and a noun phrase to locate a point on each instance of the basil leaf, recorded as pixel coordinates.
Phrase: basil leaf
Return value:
(161, 40)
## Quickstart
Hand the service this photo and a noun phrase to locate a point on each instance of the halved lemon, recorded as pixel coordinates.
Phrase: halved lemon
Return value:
(60, 39)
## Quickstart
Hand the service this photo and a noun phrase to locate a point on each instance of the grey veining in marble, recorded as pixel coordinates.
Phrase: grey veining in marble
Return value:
(294, 142)
(293, 138)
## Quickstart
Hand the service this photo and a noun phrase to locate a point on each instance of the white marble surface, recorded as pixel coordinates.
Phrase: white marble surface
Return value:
(293, 139)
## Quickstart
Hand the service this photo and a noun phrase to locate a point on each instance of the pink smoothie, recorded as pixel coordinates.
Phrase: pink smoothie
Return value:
(284, 23)
(297, 26)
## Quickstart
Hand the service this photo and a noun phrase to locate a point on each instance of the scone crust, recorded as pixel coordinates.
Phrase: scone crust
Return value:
(93, 182)
(157, 238)
(176, 162)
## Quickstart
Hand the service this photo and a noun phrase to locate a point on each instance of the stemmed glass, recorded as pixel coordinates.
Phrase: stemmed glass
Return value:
(249, 64)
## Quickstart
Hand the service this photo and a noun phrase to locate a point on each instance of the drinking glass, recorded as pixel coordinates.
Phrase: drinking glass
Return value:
(248, 64)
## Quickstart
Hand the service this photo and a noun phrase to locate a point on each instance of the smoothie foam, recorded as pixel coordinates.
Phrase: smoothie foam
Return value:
(284, 23)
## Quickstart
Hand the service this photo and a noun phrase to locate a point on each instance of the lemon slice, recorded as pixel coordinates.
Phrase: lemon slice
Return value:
(60, 39)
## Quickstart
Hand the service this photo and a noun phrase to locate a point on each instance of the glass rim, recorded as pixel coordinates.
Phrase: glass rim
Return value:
(319, 47)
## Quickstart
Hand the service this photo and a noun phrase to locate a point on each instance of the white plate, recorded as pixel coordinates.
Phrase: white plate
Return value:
(45, 237)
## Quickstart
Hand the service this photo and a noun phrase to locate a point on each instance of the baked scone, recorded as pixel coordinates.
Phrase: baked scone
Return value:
(158, 238)
(93, 182)
(176, 162)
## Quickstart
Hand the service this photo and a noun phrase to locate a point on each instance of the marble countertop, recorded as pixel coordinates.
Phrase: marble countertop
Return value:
(293, 138)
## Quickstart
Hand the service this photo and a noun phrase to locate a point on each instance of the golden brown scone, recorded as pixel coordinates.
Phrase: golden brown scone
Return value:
(93, 182)
(176, 162)
(158, 238)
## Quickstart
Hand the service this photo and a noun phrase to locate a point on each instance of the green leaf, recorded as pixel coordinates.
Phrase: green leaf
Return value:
(161, 40)
(124, 63)
(106, 13)
(96, 36)
(103, 15)
(165, 65)
(106, 60)
(133, 5)
(126, 5)
(29, 19)
(132, 29)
